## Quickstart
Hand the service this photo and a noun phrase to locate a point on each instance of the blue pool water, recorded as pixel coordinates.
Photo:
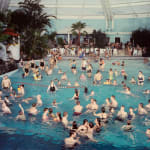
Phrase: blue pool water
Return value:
(35, 135)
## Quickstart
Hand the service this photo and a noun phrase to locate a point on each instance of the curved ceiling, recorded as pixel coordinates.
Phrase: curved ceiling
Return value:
(93, 9)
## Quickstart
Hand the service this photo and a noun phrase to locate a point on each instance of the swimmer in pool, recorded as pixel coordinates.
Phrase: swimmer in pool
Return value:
(140, 78)
(26, 100)
(92, 107)
(42, 64)
(116, 73)
(76, 84)
(98, 77)
(148, 106)
(132, 81)
(65, 119)
(89, 70)
(98, 125)
(114, 103)
(82, 77)
(6, 83)
(103, 116)
(83, 65)
(131, 114)
(107, 82)
(107, 105)
(77, 109)
(90, 132)
(128, 126)
(71, 141)
(5, 108)
(83, 129)
(33, 110)
(111, 74)
(69, 83)
(55, 104)
(64, 77)
(114, 83)
(146, 91)
(45, 117)
(21, 91)
(39, 101)
(60, 71)
(128, 92)
(148, 133)
(101, 64)
(52, 87)
(21, 116)
(58, 117)
(141, 109)
(122, 115)
(76, 95)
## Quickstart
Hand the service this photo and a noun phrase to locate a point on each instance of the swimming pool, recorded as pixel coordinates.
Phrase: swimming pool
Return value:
(30, 135)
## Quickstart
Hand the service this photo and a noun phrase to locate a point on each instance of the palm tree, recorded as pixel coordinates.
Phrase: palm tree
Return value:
(77, 28)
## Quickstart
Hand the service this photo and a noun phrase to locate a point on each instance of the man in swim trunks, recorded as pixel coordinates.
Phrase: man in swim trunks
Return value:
(6, 83)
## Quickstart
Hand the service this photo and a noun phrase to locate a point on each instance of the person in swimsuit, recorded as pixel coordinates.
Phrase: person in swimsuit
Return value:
(89, 70)
(77, 109)
(111, 74)
(42, 64)
(52, 87)
(32, 64)
(21, 116)
(45, 117)
(76, 95)
(6, 83)
(140, 78)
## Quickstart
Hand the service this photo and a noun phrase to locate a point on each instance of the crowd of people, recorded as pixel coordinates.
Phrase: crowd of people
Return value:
(108, 110)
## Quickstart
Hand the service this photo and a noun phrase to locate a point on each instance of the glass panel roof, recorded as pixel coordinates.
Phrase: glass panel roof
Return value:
(92, 8)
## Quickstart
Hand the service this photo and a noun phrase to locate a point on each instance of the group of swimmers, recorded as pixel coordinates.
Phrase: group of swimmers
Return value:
(108, 110)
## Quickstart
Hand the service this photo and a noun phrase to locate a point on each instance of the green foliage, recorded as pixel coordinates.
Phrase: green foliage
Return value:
(100, 39)
(60, 41)
(77, 28)
(141, 37)
(52, 36)
(30, 21)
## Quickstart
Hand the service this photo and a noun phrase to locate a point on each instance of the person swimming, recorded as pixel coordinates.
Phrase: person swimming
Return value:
(39, 101)
(45, 117)
(141, 109)
(76, 95)
(103, 116)
(111, 74)
(131, 114)
(65, 119)
(148, 106)
(98, 77)
(21, 116)
(128, 127)
(121, 115)
(52, 87)
(148, 133)
(72, 140)
(33, 110)
(77, 109)
(92, 107)
(6, 82)
(140, 78)
(114, 103)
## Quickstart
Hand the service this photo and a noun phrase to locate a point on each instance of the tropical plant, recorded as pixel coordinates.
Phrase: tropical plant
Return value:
(141, 37)
(100, 39)
(30, 21)
(77, 30)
